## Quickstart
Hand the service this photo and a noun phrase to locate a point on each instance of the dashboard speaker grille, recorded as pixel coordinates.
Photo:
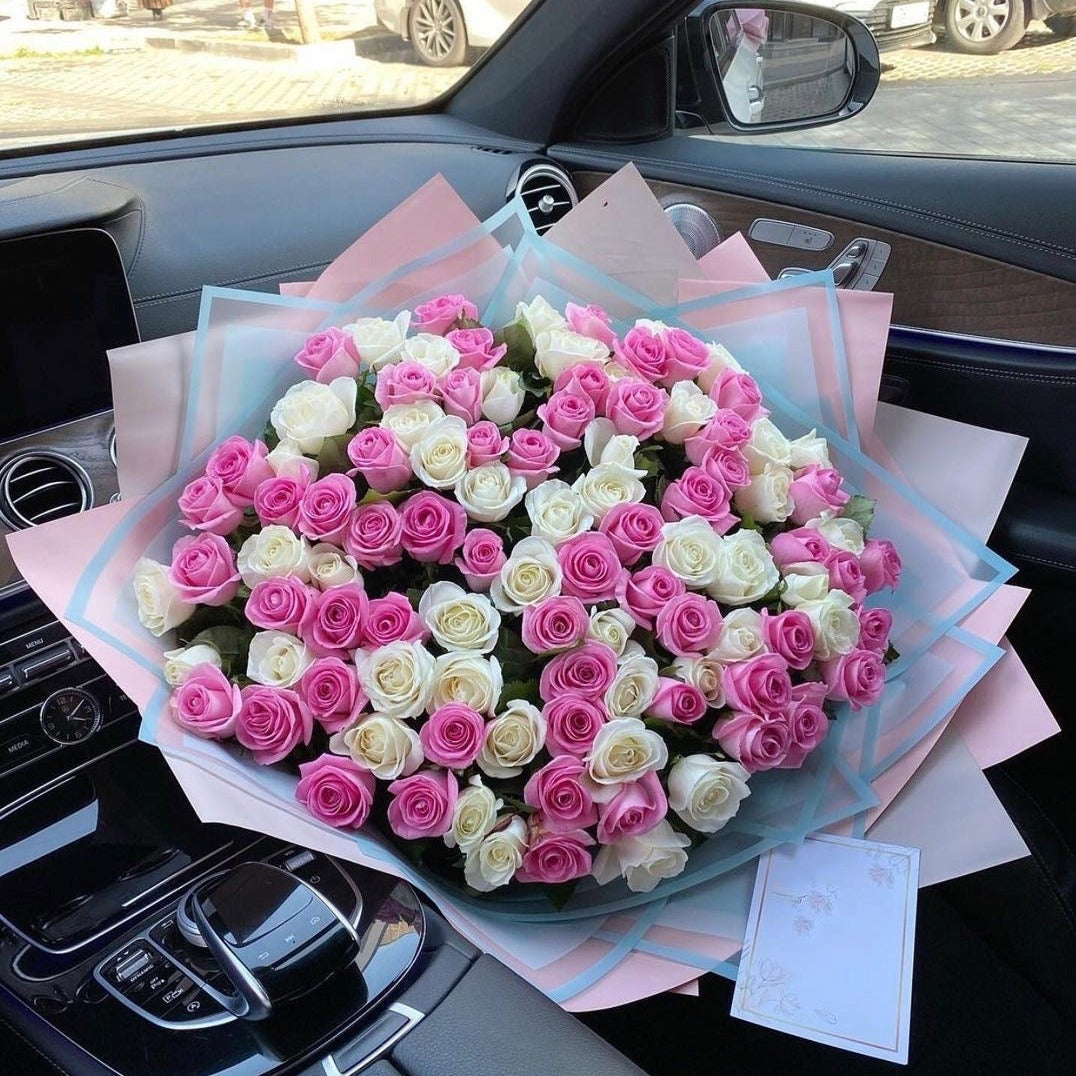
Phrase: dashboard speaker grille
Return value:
(36, 487)
(548, 194)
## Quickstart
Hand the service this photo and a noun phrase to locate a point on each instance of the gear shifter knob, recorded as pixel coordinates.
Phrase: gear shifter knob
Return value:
(274, 936)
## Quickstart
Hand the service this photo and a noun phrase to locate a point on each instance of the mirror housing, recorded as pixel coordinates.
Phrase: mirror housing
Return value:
(778, 66)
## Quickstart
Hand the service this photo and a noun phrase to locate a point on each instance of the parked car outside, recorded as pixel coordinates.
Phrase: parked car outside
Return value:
(895, 24)
(987, 27)
(441, 31)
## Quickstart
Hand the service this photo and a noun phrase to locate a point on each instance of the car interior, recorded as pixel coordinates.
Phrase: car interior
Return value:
(108, 241)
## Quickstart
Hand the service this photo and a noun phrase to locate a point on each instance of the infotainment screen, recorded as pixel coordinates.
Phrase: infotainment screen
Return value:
(64, 302)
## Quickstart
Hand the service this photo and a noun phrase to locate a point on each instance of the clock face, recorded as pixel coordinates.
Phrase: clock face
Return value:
(70, 715)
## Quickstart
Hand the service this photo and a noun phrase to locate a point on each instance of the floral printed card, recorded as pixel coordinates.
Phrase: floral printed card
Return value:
(828, 950)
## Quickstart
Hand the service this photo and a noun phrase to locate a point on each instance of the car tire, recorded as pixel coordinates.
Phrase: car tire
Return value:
(984, 27)
(1062, 25)
(437, 31)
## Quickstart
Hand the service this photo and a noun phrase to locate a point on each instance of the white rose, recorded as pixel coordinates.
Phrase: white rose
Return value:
(386, 746)
(740, 638)
(808, 449)
(309, 412)
(745, 570)
(557, 350)
(439, 457)
(475, 815)
(490, 491)
(705, 673)
(411, 422)
(612, 627)
(691, 550)
(459, 620)
(274, 551)
(396, 678)
(706, 793)
(557, 512)
(496, 859)
(607, 485)
(467, 678)
(634, 685)
(179, 663)
(378, 341)
(766, 499)
(841, 533)
(277, 659)
(805, 581)
(159, 606)
(688, 411)
(835, 624)
(331, 567)
(538, 316)
(604, 445)
(513, 739)
(767, 446)
(288, 462)
(502, 394)
(623, 750)
(644, 860)
(720, 359)
(531, 573)
(433, 352)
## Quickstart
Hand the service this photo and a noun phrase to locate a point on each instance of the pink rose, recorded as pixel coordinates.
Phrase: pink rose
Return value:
(726, 430)
(241, 466)
(802, 545)
(476, 348)
(846, 573)
(728, 466)
(739, 393)
(675, 701)
(644, 353)
(433, 527)
(391, 619)
(810, 691)
(636, 407)
(203, 570)
(279, 603)
(881, 565)
(277, 500)
(688, 355)
(461, 392)
(590, 321)
(689, 624)
(373, 535)
(696, 493)
(326, 508)
(336, 791)
(272, 722)
(334, 619)
(857, 678)
(206, 703)
(440, 314)
(404, 383)
(756, 741)
(565, 415)
(572, 723)
(643, 593)
(790, 635)
(423, 804)
(380, 459)
(815, 490)
(874, 628)
(637, 808)
(330, 689)
(481, 558)
(328, 355)
(453, 736)
(591, 567)
(485, 443)
(532, 454)
(634, 529)
(556, 858)
(587, 671)
(585, 379)
(758, 685)
(807, 726)
(559, 791)
(554, 624)
(206, 507)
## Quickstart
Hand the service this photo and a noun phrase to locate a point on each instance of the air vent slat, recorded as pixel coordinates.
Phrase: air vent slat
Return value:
(56, 511)
(36, 487)
(547, 193)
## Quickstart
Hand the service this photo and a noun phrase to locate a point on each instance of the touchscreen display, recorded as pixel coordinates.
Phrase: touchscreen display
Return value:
(63, 302)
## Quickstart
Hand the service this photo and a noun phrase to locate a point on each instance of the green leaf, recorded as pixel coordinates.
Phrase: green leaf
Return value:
(861, 509)
(747, 523)
(527, 690)
(891, 654)
(520, 354)
(559, 894)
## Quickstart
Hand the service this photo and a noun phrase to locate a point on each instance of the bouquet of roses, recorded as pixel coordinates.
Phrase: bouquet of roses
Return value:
(539, 601)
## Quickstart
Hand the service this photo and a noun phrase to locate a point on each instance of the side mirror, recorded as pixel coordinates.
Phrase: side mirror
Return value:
(773, 67)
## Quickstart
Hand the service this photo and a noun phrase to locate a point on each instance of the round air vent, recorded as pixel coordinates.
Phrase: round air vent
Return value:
(547, 192)
(36, 487)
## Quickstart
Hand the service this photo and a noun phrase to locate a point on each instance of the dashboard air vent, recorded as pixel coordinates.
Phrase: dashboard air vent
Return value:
(36, 487)
(548, 194)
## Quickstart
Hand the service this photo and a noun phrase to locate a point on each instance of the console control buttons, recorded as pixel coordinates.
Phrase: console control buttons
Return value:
(70, 715)
(45, 662)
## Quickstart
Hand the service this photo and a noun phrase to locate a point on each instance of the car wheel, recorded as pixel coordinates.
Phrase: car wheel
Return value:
(437, 32)
(1062, 25)
(984, 27)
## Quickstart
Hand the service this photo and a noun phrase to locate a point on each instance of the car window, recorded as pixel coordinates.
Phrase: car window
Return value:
(75, 69)
(958, 77)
